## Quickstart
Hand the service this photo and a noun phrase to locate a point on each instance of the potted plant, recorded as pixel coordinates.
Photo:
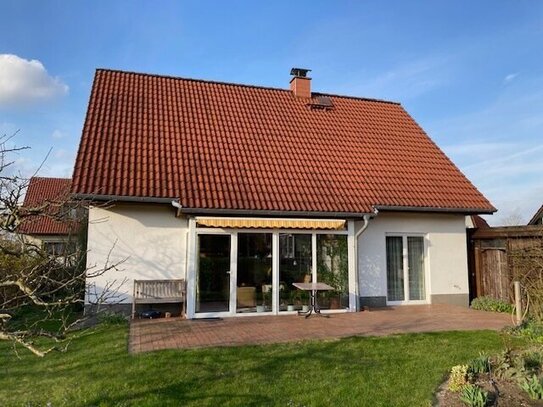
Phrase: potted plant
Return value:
(304, 297)
(294, 300)
(266, 296)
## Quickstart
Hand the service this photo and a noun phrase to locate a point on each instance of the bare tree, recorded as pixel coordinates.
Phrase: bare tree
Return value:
(513, 218)
(41, 293)
(526, 261)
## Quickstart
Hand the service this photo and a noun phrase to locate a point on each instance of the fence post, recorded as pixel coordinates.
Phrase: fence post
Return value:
(518, 302)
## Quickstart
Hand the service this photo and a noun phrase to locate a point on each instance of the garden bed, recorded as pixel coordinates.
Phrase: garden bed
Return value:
(509, 379)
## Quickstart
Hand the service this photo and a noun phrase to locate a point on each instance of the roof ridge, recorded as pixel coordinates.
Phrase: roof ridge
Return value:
(215, 82)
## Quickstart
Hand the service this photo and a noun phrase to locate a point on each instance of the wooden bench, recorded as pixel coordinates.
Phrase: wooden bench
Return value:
(158, 292)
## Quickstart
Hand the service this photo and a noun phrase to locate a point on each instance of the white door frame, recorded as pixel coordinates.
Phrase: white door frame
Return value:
(406, 300)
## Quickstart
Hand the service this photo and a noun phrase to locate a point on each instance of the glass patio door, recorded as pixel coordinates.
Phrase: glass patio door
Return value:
(254, 284)
(405, 268)
(213, 274)
(295, 260)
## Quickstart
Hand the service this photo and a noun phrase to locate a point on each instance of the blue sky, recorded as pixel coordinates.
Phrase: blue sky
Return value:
(470, 72)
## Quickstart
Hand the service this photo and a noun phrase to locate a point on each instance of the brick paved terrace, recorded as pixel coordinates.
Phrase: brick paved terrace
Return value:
(177, 333)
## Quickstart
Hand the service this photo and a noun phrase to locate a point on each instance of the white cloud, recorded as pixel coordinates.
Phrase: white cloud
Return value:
(57, 134)
(510, 77)
(24, 82)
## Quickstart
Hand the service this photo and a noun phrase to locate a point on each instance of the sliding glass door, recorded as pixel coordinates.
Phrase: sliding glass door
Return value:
(405, 268)
(249, 272)
(333, 269)
(213, 274)
(254, 288)
(415, 265)
(295, 260)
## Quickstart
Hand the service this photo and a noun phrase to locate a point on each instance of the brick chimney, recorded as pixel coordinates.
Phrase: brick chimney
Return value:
(300, 84)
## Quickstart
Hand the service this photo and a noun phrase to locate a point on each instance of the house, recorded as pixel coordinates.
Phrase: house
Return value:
(49, 218)
(537, 219)
(243, 190)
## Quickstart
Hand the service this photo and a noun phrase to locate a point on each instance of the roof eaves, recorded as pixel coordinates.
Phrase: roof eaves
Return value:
(465, 211)
(245, 212)
(537, 215)
(122, 198)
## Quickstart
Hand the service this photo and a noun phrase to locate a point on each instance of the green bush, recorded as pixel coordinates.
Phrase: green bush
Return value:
(529, 329)
(473, 396)
(111, 318)
(533, 386)
(491, 304)
(508, 365)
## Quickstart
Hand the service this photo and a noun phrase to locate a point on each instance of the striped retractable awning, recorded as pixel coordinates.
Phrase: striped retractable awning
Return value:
(270, 223)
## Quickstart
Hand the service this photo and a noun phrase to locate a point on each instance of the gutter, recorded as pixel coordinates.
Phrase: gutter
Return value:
(122, 198)
(462, 211)
(245, 212)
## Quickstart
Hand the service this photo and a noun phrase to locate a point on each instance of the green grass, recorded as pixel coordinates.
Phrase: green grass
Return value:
(401, 370)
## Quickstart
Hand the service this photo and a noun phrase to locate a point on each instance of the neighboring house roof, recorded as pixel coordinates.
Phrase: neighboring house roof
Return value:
(232, 147)
(537, 219)
(478, 222)
(46, 195)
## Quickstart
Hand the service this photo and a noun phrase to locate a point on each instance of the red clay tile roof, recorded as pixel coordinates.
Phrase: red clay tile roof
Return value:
(479, 222)
(238, 147)
(46, 193)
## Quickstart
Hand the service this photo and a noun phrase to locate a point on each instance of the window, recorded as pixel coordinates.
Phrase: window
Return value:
(59, 248)
(405, 268)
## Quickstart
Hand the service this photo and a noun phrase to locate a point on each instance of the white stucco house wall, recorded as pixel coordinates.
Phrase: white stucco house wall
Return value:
(242, 191)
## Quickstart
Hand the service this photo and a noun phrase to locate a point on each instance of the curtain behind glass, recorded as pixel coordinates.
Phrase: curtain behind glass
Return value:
(395, 287)
(415, 253)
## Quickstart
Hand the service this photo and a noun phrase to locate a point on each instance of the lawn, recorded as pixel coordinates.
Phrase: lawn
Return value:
(401, 370)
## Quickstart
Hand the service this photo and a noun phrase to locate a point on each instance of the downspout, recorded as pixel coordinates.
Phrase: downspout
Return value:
(366, 219)
(188, 285)
(177, 205)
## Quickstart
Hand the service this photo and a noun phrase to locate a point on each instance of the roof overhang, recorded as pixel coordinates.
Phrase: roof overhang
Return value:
(537, 215)
(286, 214)
(122, 198)
(460, 211)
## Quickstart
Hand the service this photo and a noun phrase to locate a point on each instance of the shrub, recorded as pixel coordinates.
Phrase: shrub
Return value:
(111, 318)
(529, 329)
(473, 396)
(460, 376)
(480, 364)
(491, 304)
(533, 360)
(509, 366)
(533, 386)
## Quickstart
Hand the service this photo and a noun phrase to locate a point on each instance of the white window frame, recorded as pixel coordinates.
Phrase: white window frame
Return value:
(406, 300)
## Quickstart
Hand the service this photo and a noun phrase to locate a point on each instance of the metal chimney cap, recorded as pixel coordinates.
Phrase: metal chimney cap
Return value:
(299, 72)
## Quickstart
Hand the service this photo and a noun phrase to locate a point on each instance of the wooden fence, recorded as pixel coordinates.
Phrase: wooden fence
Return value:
(491, 266)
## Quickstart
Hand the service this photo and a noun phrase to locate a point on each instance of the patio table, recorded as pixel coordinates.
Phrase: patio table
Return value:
(313, 289)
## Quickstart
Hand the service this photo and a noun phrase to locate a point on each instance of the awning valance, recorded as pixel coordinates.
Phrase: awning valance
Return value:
(270, 223)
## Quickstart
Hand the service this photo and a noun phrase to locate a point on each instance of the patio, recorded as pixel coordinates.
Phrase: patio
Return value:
(176, 333)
